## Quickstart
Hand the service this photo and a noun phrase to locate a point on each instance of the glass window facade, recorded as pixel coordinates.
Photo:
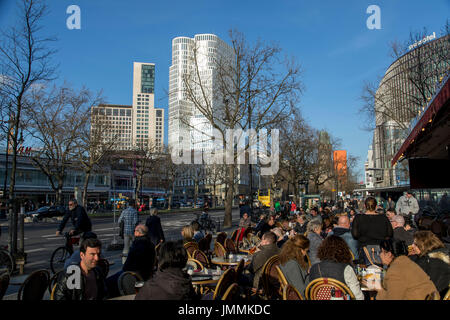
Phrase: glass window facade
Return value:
(147, 78)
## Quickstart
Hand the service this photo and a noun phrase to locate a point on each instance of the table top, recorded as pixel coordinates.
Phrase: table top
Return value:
(231, 261)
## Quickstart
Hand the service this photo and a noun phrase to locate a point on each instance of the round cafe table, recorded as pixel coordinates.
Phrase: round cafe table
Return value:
(202, 280)
(230, 262)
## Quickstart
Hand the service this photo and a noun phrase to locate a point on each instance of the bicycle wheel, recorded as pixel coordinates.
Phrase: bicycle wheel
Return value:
(58, 259)
(6, 262)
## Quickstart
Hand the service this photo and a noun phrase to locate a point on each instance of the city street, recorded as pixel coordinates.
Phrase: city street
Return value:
(41, 241)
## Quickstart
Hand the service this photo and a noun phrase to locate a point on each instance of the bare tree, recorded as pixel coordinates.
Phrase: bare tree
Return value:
(25, 60)
(57, 120)
(251, 88)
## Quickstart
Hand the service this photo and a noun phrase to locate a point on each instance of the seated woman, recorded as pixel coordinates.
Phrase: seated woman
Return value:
(404, 279)
(313, 230)
(187, 233)
(432, 256)
(335, 262)
(293, 263)
(170, 282)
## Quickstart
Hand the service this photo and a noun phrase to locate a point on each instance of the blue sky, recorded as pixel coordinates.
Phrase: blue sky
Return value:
(329, 39)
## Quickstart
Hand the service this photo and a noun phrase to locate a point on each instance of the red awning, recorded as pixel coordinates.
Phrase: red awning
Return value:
(426, 119)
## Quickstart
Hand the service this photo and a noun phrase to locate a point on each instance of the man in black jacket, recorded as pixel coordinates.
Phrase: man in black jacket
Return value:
(80, 220)
(155, 231)
(84, 280)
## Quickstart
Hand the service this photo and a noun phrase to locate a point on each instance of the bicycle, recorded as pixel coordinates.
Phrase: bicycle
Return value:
(61, 254)
(205, 221)
(7, 264)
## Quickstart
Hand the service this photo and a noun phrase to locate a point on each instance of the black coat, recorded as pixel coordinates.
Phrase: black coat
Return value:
(437, 265)
(80, 220)
(141, 257)
(168, 284)
(62, 292)
(155, 231)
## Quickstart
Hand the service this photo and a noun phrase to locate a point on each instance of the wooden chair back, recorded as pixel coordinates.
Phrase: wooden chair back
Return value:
(281, 276)
(103, 265)
(234, 234)
(230, 246)
(4, 283)
(239, 269)
(54, 279)
(269, 277)
(34, 286)
(52, 292)
(219, 250)
(195, 264)
(320, 289)
(433, 296)
(221, 238)
(227, 278)
(126, 282)
(232, 293)
(291, 293)
(191, 247)
(447, 295)
(204, 245)
(202, 257)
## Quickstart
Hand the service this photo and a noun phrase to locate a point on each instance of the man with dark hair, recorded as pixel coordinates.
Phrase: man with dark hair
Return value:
(75, 257)
(83, 280)
(170, 282)
(266, 249)
(80, 220)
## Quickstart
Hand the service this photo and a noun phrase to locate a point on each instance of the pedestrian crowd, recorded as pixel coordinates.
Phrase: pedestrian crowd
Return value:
(329, 241)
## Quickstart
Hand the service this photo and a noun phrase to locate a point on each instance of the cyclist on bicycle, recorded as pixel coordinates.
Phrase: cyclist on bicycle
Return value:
(80, 220)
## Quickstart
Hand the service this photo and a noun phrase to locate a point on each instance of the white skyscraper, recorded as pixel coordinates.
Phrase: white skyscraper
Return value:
(188, 128)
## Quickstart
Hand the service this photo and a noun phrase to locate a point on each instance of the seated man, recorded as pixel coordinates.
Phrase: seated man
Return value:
(400, 233)
(75, 257)
(267, 248)
(140, 259)
(83, 280)
(344, 231)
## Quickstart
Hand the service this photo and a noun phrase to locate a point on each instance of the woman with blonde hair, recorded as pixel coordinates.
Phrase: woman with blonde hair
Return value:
(293, 262)
(432, 256)
(187, 233)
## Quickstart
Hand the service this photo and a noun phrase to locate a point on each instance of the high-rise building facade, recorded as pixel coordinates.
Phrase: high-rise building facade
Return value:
(404, 91)
(115, 123)
(187, 125)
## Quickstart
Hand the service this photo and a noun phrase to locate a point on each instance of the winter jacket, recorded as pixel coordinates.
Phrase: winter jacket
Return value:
(141, 257)
(405, 280)
(80, 220)
(346, 234)
(155, 231)
(62, 291)
(314, 242)
(401, 234)
(406, 205)
(259, 259)
(370, 229)
(168, 284)
(295, 275)
(436, 264)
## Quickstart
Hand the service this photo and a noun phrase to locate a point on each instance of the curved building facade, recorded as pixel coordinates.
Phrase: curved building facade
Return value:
(407, 86)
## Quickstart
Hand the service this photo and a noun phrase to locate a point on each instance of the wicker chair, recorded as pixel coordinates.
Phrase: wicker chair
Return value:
(281, 276)
(4, 283)
(34, 286)
(204, 245)
(230, 246)
(191, 247)
(320, 289)
(232, 293)
(225, 281)
(269, 277)
(291, 293)
(239, 269)
(126, 282)
(201, 256)
(219, 250)
(234, 234)
(195, 264)
(103, 265)
(447, 295)
(221, 238)
(433, 296)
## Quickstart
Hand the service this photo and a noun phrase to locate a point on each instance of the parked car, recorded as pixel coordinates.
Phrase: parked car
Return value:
(47, 212)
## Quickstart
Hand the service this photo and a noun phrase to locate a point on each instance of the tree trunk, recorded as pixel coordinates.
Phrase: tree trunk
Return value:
(12, 204)
(227, 222)
(85, 188)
